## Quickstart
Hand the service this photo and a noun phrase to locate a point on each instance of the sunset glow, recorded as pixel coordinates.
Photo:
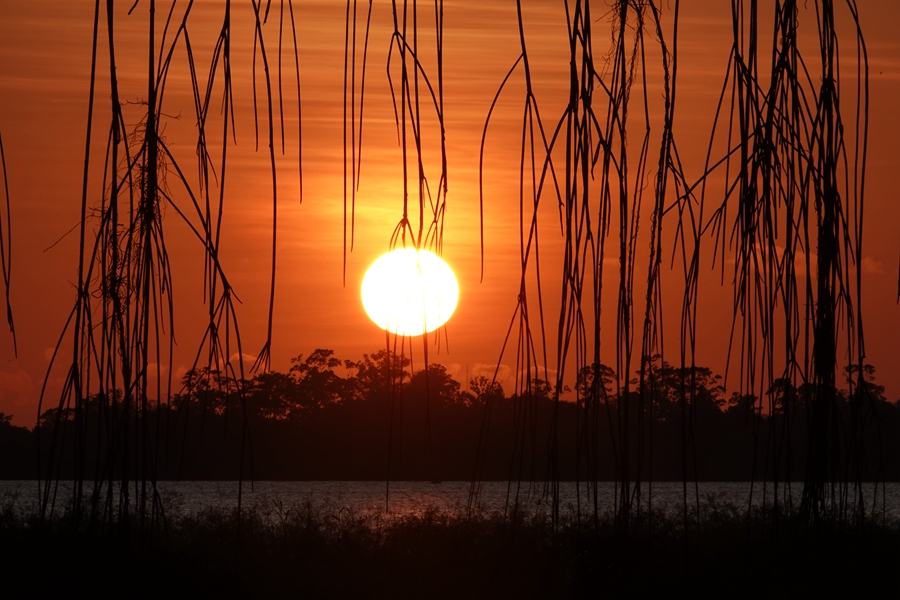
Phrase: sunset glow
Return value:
(326, 242)
(233, 239)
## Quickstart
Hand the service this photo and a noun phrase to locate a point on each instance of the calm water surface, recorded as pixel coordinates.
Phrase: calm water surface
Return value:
(415, 497)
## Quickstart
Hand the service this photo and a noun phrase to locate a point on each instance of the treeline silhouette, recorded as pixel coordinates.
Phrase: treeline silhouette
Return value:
(376, 419)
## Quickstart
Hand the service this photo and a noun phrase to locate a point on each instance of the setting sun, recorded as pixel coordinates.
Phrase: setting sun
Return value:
(409, 292)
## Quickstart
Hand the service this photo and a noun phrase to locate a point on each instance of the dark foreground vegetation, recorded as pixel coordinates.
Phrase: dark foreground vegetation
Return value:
(302, 552)
(332, 419)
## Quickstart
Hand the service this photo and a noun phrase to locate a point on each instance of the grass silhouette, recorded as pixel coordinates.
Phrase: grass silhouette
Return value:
(310, 551)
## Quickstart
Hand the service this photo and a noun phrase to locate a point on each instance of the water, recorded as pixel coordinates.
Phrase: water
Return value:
(416, 497)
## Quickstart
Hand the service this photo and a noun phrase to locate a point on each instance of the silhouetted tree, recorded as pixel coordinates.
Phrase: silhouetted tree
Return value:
(317, 383)
(276, 396)
(743, 404)
(210, 390)
(377, 376)
(483, 390)
(784, 396)
(668, 385)
(862, 384)
(436, 384)
(596, 381)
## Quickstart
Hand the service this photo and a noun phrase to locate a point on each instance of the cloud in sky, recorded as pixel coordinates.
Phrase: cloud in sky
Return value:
(17, 391)
(871, 265)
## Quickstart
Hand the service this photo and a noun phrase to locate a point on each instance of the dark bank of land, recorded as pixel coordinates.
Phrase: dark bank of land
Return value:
(377, 418)
(331, 420)
(300, 552)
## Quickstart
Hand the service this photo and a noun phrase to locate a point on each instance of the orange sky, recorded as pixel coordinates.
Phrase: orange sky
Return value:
(44, 74)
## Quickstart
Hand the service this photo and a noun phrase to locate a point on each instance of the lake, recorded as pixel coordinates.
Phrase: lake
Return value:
(416, 497)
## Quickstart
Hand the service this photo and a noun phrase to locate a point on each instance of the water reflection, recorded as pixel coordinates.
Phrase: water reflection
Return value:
(408, 498)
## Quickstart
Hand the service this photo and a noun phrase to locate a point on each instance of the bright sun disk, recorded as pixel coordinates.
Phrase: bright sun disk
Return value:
(409, 292)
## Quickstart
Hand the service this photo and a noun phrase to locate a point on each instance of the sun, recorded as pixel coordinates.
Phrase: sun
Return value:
(409, 292)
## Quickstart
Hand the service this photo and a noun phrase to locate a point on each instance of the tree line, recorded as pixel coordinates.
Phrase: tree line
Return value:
(378, 418)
